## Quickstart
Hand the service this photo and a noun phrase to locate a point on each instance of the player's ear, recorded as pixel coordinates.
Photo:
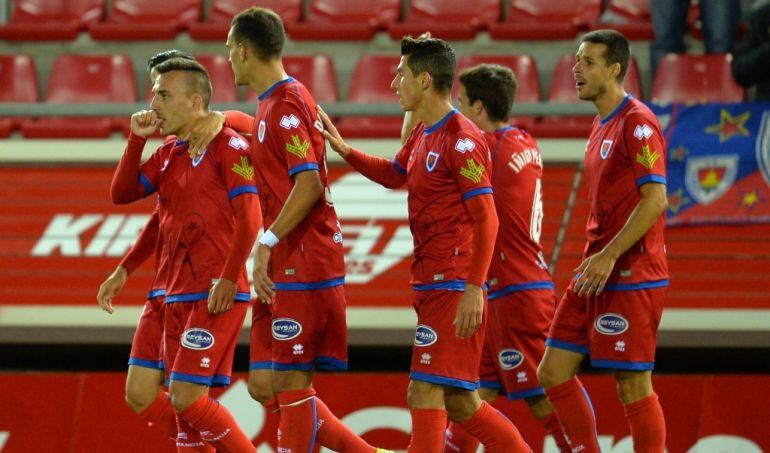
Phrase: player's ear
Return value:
(426, 80)
(478, 107)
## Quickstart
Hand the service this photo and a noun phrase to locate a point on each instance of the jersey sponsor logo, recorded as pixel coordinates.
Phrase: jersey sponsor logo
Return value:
(473, 171)
(424, 335)
(510, 358)
(611, 324)
(286, 329)
(290, 121)
(261, 131)
(238, 143)
(708, 178)
(244, 169)
(197, 160)
(431, 160)
(298, 146)
(198, 339)
(642, 131)
(464, 145)
(605, 149)
(647, 158)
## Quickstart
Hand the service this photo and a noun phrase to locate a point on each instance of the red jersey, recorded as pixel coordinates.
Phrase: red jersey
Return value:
(517, 169)
(444, 164)
(287, 140)
(196, 215)
(626, 150)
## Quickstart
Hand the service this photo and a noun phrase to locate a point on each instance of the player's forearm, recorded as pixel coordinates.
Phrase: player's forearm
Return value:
(378, 169)
(642, 218)
(239, 121)
(481, 209)
(144, 245)
(125, 186)
(303, 196)
(248, 219)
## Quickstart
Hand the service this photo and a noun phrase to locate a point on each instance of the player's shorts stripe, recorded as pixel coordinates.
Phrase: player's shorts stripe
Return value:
(441, 380)
(475, 192)
(146, 183)
(545, 284)
(307, 166)
(310, 286)
(525, 394)
(454, 285)
(636, 286)
(240, 190)
(156, 293)
(492, 385)
(260, 365)
(622, 365)
(399, 168)
(330, 363)
(154, 364)
(217, 380)
(580, 349)
(651, 178)
(304, 366)
(194, 297)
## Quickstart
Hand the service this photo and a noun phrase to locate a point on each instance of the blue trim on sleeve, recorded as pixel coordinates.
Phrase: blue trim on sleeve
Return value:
(478, 191)
(330, 363)
(217, 380)
(580, 349)
(615, 112)
(492, 385)
(454, 285)
(310, 286)
(241, 190)
(260, 366)
(146, 183)
(274, 86)
(545, 284)
(636, 286)
(398, 167)
(651, 178)
(156, 293)
(154, 364)
(440, 123)
(623, 365)
(304, 366)
(525, 394)
(307, 166)
(441, 380)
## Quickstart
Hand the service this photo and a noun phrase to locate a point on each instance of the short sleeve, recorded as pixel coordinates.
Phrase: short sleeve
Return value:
(292, 126)
(646, 148)
(468, 160)
(237, 166)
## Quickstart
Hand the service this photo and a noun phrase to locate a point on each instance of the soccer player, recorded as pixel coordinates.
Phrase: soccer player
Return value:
(299, 266)
(521, 297)
(612, 308)
(445, 165)
(209, 214)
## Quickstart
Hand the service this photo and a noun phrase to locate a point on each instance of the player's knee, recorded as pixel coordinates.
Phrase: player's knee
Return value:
(549, 375)
(424, 395)
(539, 406)
(461, 405)
(488, 395)
(633, 385)
(139, 398)
(183, 395)
(261, 390)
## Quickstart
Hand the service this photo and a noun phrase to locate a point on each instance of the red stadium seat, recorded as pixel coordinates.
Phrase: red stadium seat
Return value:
(369, 84)
(345, 20)
(143, 20)
(19, 82)
(50, 20)
(222, 78)
(630, 17)
(85, 79)
(447, 19)
(217, 23)
(546, 19)
(316, 72)
(694, 79)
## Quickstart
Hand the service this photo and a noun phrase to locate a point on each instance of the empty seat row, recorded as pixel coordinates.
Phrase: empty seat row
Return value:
(323, 19)
(105, 79)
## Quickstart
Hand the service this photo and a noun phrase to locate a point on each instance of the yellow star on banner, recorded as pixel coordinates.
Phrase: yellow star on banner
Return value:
(750, 199)
(473, 171)
(678, 154)
(647, 159)
(298, 148)
(244, 169)
(729, 126)
(676, 200)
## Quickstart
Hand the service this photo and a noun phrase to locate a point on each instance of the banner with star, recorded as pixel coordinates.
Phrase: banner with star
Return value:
(718, 162)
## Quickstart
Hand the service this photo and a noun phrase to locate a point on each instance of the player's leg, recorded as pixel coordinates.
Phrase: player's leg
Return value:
(429, 417)
(643, 411)
(261, 358)
(543, 410)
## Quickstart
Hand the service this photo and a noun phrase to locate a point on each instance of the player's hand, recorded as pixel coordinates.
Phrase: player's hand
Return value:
(332, 135)
(594, 272)
(202, 132)
(110, 288)
(222, 296)
(263, 286)
(144, 123)
(470, 311)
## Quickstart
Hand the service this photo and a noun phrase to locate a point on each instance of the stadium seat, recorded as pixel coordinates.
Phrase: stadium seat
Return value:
(546, 19)
(316, 72)
(217, 22)
(222, 78)
(50, 20)
(19, 82)
(447, 19)
(525, 69)
(694, 79)
(630, 17)
(344, 20)
(85, 79)
(369, 84)
(144, 20)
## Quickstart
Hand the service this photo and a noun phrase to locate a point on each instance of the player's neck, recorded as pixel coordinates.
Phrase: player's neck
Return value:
(610, 100)
(267, 75)
(432, 109)
(183, 131)
(493, 126)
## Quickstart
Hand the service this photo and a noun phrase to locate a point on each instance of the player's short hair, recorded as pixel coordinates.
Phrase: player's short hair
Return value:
(493, 85)
(617, 51)
(166, 55)
(262, 29)
(431, 55)
(198, 80)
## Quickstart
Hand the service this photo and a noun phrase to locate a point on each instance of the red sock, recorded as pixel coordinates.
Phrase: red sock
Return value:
(161, 416)
(495, 432)
(299, 420)
(553, 426)
(648, 427)
(272, 406)
(189, 440)
(574, 410)
(217, 426)
(459, 440)
(428, 428)
(334, 435)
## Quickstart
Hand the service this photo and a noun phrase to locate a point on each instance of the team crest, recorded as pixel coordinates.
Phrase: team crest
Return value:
(708, 178)
(605, 149)
(431, 160)
(261, 131)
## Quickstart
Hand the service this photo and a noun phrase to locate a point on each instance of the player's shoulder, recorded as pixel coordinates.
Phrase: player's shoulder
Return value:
(228, 140)
(638, 110)
(521, 137)
(460, 128)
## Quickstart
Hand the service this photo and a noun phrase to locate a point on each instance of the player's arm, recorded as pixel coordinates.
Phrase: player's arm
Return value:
(206, 128)
(129, 183)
